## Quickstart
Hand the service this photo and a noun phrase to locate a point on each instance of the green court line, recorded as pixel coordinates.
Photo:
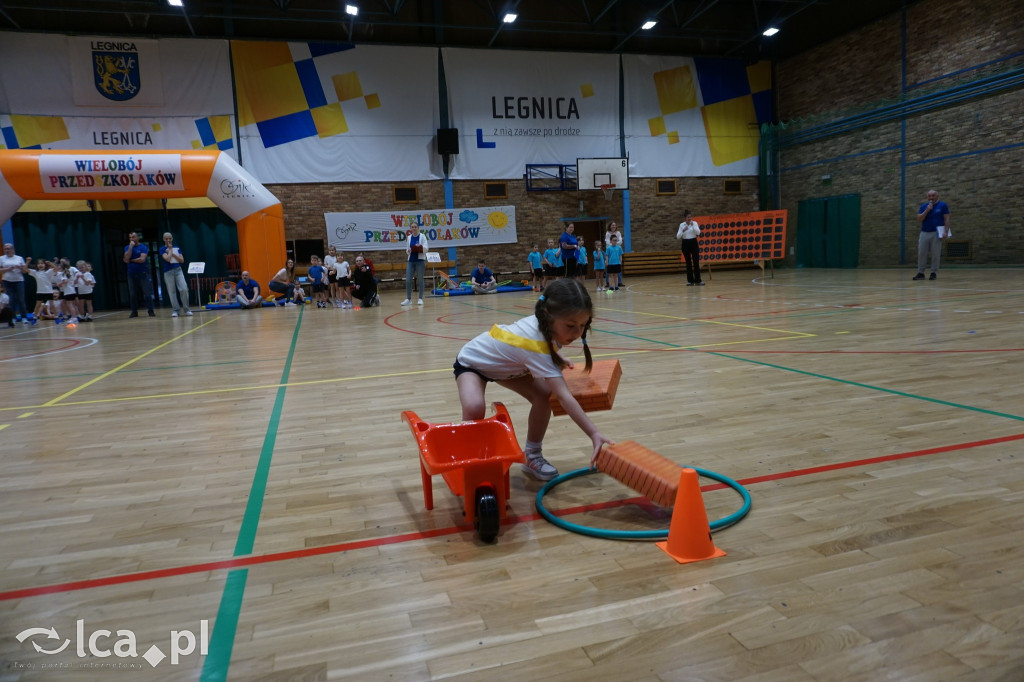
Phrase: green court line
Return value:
(126, 371)
(639, 338)
(225, 628)
(848, 382)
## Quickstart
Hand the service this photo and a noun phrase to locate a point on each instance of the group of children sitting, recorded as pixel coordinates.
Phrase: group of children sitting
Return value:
(549, 266)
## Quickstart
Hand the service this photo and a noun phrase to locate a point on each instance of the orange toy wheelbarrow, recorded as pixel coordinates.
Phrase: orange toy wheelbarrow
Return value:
(473, 458)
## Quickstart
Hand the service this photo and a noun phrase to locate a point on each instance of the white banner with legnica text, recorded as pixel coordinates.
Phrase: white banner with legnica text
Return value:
(519, 108)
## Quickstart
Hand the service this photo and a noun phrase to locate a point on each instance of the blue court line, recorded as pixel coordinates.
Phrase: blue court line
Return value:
(222, 639)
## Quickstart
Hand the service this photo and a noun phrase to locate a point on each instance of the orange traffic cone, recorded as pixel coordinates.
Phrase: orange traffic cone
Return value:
(689, 535)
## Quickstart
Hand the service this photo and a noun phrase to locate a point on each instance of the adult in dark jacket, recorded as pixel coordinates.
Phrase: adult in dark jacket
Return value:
(364, 286)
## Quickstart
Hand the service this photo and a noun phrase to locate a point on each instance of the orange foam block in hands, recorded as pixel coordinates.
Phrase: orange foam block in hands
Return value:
(594, 391)
(644, 470)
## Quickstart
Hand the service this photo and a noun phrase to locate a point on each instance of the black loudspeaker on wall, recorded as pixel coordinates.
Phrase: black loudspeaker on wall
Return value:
(447, 140)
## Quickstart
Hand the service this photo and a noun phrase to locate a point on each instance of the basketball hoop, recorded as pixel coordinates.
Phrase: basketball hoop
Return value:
(608, 190)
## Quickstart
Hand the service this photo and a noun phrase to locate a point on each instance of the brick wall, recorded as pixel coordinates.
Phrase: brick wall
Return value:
(966, 151)
(654, 219)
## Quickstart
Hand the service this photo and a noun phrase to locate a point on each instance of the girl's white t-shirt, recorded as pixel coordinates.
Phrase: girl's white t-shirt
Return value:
(511, 351)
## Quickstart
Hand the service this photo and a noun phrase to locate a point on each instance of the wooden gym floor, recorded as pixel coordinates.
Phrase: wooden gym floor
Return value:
(250, 469)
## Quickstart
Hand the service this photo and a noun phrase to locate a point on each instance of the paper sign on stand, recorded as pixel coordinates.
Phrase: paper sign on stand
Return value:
(197, 268)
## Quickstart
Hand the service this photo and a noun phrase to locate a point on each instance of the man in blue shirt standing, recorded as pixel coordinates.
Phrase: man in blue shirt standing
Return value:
(136, 255)
(934, 219)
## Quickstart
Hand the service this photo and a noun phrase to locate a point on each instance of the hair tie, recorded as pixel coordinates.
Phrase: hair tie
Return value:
(584, 340)
(541, 297)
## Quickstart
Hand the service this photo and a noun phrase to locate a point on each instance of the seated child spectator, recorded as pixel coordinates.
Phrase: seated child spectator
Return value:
(6, 314)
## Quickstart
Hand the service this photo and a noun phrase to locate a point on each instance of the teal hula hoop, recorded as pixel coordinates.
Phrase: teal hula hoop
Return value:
(609, 534)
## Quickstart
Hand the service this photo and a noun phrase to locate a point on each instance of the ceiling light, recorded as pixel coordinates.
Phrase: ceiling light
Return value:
(649, 24)
(509, 18)
(351, 9)
(770, 31)
(174, 3)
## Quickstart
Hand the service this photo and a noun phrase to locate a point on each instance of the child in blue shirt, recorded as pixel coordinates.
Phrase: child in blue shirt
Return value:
(599, 264)
(581, 262)
(318, 279)
(536, 267)
(614, 253)
(552, 262)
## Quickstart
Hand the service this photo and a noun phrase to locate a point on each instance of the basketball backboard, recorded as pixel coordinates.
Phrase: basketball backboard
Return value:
(591, 173)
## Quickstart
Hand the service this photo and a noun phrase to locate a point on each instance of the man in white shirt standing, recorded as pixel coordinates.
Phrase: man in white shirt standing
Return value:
(13, 269)
(688, 232)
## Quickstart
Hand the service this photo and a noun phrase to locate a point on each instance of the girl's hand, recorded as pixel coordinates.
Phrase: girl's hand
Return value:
(599, 442)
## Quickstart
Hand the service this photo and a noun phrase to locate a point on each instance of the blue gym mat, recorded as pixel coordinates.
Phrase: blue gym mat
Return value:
(466, 291)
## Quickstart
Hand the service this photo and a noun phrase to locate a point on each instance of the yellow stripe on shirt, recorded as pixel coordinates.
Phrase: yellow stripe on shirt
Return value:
(505, 336)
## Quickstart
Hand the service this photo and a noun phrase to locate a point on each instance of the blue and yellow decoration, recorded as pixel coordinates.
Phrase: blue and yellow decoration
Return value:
(736, 99)
(32, 132)
(284, 97)
(214, 133)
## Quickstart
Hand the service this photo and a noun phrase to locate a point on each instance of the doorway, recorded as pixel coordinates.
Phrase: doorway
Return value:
(587, 231)
(117, 225)
(828, 232)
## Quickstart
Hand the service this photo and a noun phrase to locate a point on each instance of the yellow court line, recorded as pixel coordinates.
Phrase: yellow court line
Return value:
(119, 368)
(335, 380)
(27, 414)
(3, 426)
(726, 324)
(231, 390)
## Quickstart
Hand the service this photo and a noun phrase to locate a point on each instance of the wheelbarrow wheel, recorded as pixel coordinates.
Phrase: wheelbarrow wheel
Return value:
(487, 517)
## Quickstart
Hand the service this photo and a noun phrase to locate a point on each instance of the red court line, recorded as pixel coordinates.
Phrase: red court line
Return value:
(872, 460)
(71, 344)
(255, 560)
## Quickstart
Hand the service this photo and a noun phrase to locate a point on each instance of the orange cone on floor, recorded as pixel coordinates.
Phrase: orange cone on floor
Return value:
(689, 535)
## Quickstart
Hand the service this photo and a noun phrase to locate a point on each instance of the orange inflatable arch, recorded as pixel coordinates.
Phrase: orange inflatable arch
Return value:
(172, 174)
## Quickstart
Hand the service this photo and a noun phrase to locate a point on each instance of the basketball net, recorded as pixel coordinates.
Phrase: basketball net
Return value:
(608, 191)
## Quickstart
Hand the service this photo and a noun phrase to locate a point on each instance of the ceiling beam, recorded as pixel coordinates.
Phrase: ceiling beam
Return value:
(8, 17)
(611, 3)
(638, 29)
(775, 22)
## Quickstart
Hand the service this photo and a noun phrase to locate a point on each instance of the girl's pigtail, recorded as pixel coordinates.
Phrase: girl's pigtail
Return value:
(544, 324)
(586, 350)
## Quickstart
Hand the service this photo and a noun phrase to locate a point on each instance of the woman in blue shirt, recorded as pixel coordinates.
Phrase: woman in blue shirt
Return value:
(568, 246)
